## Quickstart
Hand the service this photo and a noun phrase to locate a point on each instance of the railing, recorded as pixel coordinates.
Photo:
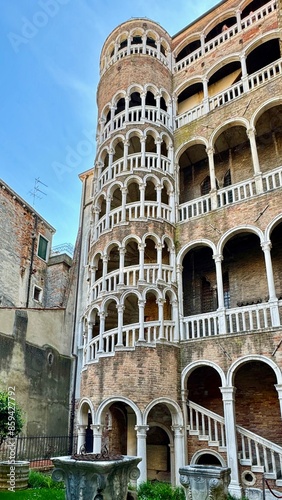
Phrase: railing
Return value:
(131, 275)
(256, 79)
(39, 449)
(236, 320)
(136, 114)
(133, 211)
(133, 162)
(259, 453)
(231, 194)
(207, 425)
(136, 49)
(130, 338)
(255, 451)
(252, 18)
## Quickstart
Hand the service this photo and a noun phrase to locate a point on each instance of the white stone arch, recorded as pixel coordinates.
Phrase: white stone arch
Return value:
(153, 236)
(196, 364)
(106, 300)
(128, 293)
(247, 228)
(117, 399)
(111, 244)
(187, 83)
(150, 131)
(193, 244)
(221, 16)
(155, 291)
(91, 309)
(269, 228)
(260, 40)
(173, 406)
(232, 122)
(112, 188)
(252, 357)
(120, 94)
(168, 240)
(152, 178)
(116, 140)
(268, 104)
(167, 184)
(130, 237)
(134, 87)
(194, 141)
(151, 87)
(190, 38)
(80, 415)
(132, 179)
(134, 132)
(207, 451)
(235, 57)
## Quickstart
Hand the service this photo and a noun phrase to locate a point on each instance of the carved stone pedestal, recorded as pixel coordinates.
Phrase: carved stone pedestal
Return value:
(202, 482)
(96, 480)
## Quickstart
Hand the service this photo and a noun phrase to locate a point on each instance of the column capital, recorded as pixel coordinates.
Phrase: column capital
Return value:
(228, 393)
(141, 430)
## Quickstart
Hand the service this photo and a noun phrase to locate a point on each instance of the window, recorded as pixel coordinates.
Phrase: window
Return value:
(37, 294)
(42, 250)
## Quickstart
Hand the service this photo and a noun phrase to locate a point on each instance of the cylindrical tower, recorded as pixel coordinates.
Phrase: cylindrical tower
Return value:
(129, 380)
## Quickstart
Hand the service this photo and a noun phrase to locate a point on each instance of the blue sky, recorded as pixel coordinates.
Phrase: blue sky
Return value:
(49, 54)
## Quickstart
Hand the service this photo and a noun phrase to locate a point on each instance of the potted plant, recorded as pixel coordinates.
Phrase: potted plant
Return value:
(13, 473)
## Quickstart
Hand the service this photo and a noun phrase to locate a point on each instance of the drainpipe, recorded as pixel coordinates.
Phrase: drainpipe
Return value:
(33, 236)
(73, 348)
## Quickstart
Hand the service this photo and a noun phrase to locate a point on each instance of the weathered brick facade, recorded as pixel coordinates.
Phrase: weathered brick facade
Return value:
(179, 331)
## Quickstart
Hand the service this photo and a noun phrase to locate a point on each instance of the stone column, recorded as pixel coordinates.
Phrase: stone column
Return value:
(159, 201)
(142, 199)
(238, 17)
(141, 248)
(278, 388)
(174, 304)
(101, 332)
(179, 450)
(141, 305)
(143, 105)
(105, 270)
(159, 248)
(210, 153)
(228, 396)
(123, 204)
(120, 309)
(80, 437)
(108, 209)
(254, 152)
(206, 95)
(125, 154)
(161, 318)
(220, 295)
(143, 152)
(97, 437)
(141, 434)
(273, 301)
(244, 77)
(121, 265)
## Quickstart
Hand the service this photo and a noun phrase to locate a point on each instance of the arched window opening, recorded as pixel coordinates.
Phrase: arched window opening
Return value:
(116, 199)
(220, 27)
(150, 144)
(188, 49)
(150, 192)
(150, 99)
(151, 42)
(136, 40)
(133, 193)
(120, 106)
(130, 314)
(226, 290)
(261, 56)
(150, 254)
(131, 257)
(111, 321)
(135, 100)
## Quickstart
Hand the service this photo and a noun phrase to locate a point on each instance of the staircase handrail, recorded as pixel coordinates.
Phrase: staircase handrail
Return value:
(259, 439)
(205, 411)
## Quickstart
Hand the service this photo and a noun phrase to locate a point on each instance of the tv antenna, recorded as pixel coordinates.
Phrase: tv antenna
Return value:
(36, 190)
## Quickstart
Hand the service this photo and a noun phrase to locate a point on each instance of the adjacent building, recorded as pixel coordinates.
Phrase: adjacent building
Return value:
(35, 325)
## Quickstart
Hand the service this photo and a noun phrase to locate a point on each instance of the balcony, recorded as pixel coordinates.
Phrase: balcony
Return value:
(245, 23)
(253, 81)
(229, 195)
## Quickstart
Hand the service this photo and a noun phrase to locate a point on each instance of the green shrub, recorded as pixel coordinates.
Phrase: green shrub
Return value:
(159, 491)
(39, 480)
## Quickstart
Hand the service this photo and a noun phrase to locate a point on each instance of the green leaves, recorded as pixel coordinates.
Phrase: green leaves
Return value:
(11, 417)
